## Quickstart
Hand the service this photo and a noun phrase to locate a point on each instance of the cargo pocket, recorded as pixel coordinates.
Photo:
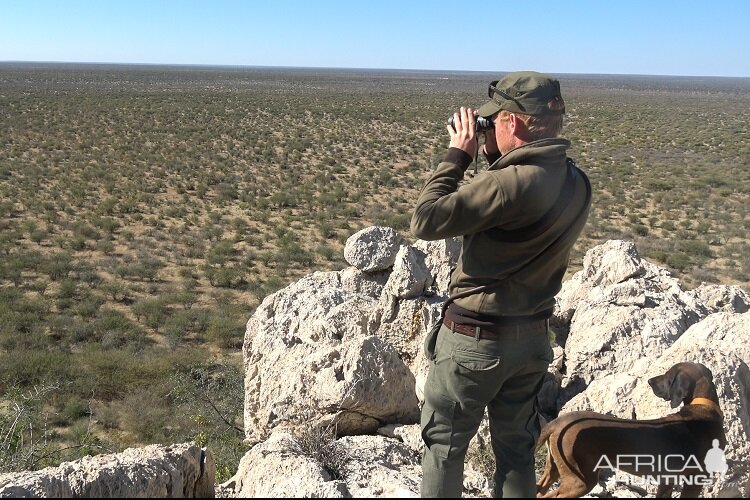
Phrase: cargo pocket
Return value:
(437, 425)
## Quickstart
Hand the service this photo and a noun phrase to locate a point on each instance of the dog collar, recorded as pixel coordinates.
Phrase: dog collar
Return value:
(707, 402)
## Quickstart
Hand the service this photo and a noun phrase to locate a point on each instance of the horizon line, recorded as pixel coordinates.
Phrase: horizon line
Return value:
(217, 65)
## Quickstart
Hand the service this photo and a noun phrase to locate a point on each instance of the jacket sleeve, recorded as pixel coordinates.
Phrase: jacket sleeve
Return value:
(444, 210)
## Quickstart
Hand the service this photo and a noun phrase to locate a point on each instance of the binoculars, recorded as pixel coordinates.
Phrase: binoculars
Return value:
(483, 124)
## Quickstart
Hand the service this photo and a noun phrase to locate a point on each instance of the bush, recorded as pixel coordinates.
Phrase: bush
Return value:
(319, 443)
(154, 313)
(28, 368)
(58, 266)
(678, 260)
(226, 330)
(143, 413)
(695, 248)
(24, 444)
(207, 394)
(114, 330)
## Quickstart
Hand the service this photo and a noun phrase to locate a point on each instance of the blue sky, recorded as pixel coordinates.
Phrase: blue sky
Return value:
(635, 37)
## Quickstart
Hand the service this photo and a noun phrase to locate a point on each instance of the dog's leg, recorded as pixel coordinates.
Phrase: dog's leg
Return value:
(550, 475)
(573, 483)
(570, 487)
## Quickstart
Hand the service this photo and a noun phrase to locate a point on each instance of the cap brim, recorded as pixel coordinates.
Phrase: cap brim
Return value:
(488, 109)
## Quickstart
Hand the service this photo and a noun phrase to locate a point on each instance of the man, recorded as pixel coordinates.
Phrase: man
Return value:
(519, 221)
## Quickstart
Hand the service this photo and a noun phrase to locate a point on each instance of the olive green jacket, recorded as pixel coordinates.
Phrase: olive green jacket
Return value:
(516, 191)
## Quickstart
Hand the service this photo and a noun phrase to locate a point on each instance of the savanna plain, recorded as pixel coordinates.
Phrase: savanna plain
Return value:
(145, 212)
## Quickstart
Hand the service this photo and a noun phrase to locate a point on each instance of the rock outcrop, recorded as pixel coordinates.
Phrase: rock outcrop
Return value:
(628, 320)
(342, 347)
(178, 471)
(621, 310)
(619, 321)
(374, 466)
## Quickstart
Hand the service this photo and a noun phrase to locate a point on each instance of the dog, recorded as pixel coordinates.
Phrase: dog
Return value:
(580, 444)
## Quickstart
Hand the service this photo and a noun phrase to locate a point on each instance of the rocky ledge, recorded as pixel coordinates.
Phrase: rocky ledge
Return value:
(178, 471)
(343, 349)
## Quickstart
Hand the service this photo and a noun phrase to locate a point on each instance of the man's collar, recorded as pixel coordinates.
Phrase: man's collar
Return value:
(521, 153)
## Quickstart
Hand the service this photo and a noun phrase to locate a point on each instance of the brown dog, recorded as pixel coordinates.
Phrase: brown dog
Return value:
(668, 450)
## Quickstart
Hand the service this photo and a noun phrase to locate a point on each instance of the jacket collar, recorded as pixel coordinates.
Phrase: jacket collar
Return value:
(550, 149)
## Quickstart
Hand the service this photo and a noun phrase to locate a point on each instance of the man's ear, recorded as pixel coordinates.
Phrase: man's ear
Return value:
(518, 128)
(682, 387)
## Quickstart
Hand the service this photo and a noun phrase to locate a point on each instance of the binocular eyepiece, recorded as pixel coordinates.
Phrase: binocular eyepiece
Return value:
(483, 124)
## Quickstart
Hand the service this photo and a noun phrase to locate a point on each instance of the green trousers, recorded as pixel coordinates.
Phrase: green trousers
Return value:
(467, 376)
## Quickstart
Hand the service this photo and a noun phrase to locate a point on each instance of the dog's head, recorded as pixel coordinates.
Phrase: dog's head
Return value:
(678, 384)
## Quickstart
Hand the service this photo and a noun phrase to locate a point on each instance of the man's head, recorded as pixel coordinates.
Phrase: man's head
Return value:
(526, 106)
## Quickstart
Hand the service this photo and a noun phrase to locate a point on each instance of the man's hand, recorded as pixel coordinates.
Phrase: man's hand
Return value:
(464, 136)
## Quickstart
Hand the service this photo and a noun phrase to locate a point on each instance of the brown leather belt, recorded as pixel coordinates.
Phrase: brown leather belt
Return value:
(496, 332)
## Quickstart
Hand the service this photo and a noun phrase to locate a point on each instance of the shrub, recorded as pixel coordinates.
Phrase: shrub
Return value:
(695, 248)
(25, 438)
(226, 330)
(319, 443)
(678, 260)
(58, 266)
(154, 313)
(207, 394)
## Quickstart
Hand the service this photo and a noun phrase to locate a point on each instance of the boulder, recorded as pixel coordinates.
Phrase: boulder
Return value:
(420, 367)
(410, 277)
(278, 319)
(343, 321)
(308, 355)
(355, 466)
(381, 467)
(370, 284)
(722, 298)
(359, 385)
(617, 310)
(410, 435)
(177, 471)
(386, 465)
(373, 248)
(724, 331)
(277, 469)
(441, 258)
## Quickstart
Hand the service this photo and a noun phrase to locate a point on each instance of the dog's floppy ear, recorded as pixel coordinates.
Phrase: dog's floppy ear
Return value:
(682, 387)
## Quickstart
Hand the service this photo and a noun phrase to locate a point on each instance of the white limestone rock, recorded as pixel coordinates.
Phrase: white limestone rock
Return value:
(441, 258)
(276, 469)
(373, 248)
(177, 471)
(410, 277)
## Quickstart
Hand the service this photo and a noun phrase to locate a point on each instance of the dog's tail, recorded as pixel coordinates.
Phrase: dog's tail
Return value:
(544, 436)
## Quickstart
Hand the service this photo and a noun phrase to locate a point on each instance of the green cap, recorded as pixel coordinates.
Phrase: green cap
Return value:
(526, 92)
